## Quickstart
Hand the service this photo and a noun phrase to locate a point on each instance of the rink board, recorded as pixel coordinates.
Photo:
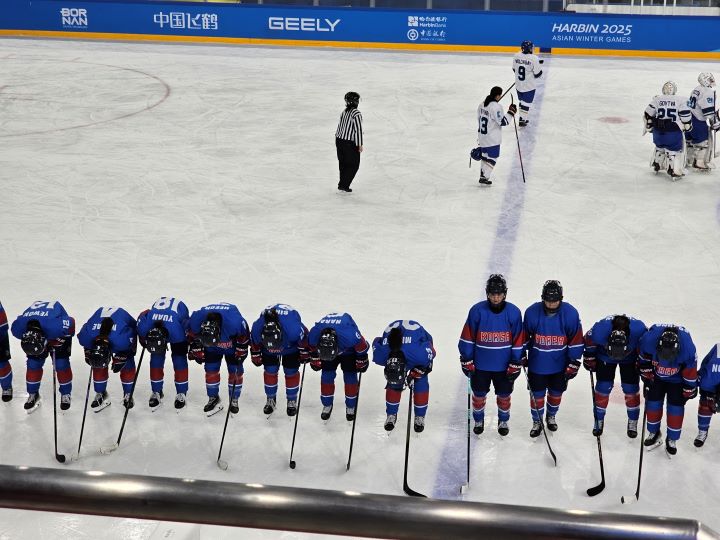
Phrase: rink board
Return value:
(463, 31)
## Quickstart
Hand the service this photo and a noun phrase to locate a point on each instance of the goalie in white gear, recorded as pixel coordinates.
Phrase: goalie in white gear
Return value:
(667, 117)
(700, 139)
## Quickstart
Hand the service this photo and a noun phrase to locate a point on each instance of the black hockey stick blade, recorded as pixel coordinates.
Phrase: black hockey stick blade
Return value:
(60, 457)
(595, 490)
(409, 491)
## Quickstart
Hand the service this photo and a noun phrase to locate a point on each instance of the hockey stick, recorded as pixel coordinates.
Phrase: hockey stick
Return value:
(352, 434)
(466, 485)
(506, 91)
(517, 138)
(628, 500)
(596, 489)
(59, 457)
(406, 487)
(221, 462)
(537, 413)
(76, 455)
(116, 445)
(297, 416)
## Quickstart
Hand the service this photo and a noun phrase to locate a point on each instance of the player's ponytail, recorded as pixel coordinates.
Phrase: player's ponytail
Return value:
(494, 93)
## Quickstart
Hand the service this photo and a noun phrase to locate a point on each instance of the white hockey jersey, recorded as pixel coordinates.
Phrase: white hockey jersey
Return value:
(673, 108)
(702, 103)
(527, 70)
(490, 122)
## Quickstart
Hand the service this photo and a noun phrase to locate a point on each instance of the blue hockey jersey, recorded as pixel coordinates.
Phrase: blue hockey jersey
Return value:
(3, 321)
(350, 340)
(233, 331)
(552, 341)
(294, 331)
(172, 313)
(596, 340)
(53, 319)
(682, 369)
(709, 372)
(491, 339)
(123, 336)
(417, 345)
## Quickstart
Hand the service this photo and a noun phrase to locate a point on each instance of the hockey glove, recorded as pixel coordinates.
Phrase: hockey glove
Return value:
(467, 366)
(241, 352)
(571, 370)
(646, 372)
(512, 109)
(416, 373)
(646, 389)
(118, 361)
(513, 371)
(590, 363)
(716, 124)
(689, 392)
(708, 401)
(316, 364)
(256, 357)
(196, 351)
(93, 361)
(361, 364)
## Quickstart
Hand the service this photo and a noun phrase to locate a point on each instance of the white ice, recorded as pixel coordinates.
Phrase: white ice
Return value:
(133, 171)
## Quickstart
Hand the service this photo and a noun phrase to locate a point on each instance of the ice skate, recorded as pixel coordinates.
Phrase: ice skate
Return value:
(503, 428)
(326, 412)
(155, 400)
(179, 401)
(349, 414)
(32, 403)
(419, 424)
(390, 422)
(551, 422)
(101, 401)
(234, 407)
(64, 402)
(270, 404)
(653, 440)
(670, 447)
(536, 429)
(598, 427)
(479, 427)
(291, 407)
(7, 394)
(213, 406)
(632, 429)
(128, 401)
(700, 439)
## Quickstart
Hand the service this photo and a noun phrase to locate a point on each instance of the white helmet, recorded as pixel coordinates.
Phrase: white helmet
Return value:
(669, 88)
(706, 79)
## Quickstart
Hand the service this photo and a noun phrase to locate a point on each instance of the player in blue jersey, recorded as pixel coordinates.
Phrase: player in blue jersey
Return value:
(280, 338)
(45, 329)
(216, 331)
(406, 351)
(5, 368)
(491, 348)
(110, 337)
(554, 342)
(166, 323)
(709, 382)
(668, 367)
(334, 341)
(611, 343)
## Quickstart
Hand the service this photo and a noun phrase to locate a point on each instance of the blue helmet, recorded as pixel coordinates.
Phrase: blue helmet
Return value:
(526, 47)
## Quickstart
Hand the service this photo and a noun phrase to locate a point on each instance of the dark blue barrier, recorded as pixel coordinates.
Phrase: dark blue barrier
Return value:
(360, 27)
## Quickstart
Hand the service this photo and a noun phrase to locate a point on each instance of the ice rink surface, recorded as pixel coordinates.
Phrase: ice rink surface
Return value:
(133, 171)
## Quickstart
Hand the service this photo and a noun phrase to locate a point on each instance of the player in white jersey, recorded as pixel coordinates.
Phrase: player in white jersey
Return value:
(667, 117)
(700, 140)
(490, 122)
(526, 66)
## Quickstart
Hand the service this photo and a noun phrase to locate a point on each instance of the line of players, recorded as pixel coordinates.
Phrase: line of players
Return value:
(683, 130)
(496, 343)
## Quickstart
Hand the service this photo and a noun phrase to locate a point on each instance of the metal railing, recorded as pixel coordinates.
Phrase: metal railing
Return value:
(316, 511)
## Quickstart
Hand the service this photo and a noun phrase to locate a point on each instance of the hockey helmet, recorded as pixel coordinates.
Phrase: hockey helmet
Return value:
(496, 284)
(527, 47)
(33, 340)
(552, 291)
(669, 88)
(352, 99)
(157, 339)
(617, 344)
(476, 153)
(395, 368)
(328, 345)
(394, 339)
(706, 79)
(668, 345)
(210, 329)
(272, 333)
(98, 356)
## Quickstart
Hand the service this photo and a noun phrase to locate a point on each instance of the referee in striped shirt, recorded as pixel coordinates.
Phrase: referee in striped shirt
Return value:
(349, 141)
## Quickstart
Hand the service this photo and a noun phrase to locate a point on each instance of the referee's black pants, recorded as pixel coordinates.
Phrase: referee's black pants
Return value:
(348, 161)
